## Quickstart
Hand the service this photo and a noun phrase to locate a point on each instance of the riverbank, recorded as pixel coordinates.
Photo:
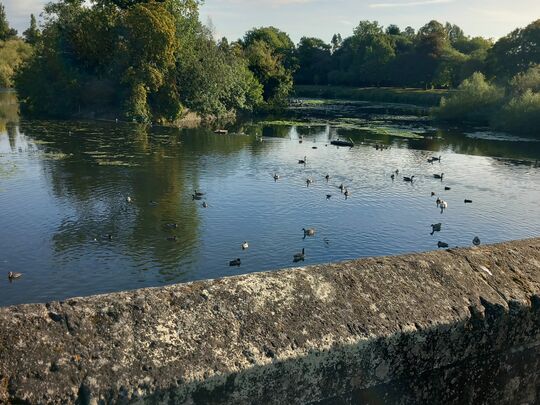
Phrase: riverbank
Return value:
(420, 97)
(441, 325)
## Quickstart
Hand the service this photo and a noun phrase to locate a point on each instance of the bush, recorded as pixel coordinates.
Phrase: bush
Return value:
(12, 54)
(475, 100)
(521, 114)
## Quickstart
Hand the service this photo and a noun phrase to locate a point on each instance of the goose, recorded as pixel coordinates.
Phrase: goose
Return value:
(347, 194)
(328, 196)
(309, 181)
(245, 245)
(438, 201)
(205, 204)
(341, 187)
(447, 188)
(439, 176)
(443, 205)
(327, 177)
(303, 161)
(314, 147)
(442, 244)
(196, 197)
(128, 199)
(409, 179)
(309, 232)
(235, 262)
(299, 256)
(198, 193)
(109, 236)
(276, 176)
(392, 177)
(476, 241)
(12, 275)
(432, 194)
(436, 159)
(468, 201)
(172, 238)
(396, 171)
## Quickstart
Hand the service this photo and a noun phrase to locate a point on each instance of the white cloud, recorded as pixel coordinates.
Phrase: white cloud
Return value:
(409, 3)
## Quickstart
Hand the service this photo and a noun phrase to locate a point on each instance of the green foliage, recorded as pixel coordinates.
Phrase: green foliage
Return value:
(12, 54)
(525, 81)
(32, 34)
(475, 101)
(6, 33)
(521, 114)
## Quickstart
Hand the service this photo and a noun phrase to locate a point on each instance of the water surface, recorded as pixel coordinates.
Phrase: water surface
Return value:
(64, 188)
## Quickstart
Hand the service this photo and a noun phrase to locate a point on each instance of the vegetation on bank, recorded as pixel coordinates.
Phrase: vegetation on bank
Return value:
(421, 97)
(152, 61)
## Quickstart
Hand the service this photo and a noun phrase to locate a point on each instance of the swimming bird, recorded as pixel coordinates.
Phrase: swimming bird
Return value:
(347, 194)
(314, 147)
(235, 262)
(328, 196)
(299, 256)
(12, 275)
(309, 232)
(152, 203)
(341, 187)
(436, 159)
(432, 194)
(309, 181)
(171, 226)
(392, 177)
(442, 244)
(205, 204)
(327, 177)
(303, 161)
(198, 193)
(196, 197)
(447, 188)
(128, 199)
(276, 176)
(476, 241)
(439, 176)
(245, 245)
(443, 205)
(109, 236)
(468, 201)
(172, 238)
(435, 228)
(438, 201)
(396, 171)
(408, 179)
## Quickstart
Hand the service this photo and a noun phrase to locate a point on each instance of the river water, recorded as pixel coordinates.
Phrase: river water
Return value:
(64, 187)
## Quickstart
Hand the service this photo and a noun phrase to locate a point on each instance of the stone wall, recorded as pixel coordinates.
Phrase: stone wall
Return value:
(455, 326)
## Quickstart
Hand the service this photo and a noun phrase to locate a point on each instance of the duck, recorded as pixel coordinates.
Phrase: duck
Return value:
(442, 244)
(476, 241)
(468, 201)
(392, 177)
(299, 256)
(303, 161)
(447, 188)
(172, 238)
(128, 199)
(245, 245)
(198, 193)
(436, 159)
(347, 194)
(341, 187)
(438, 201)
(435, 228)
(432, 194)
(309, 232)
(327, 177)
(443, 205)
(309, 181)
(408, 179)
(196, 197)
(328, 196)
(439, 176)
(205, 204)
(314, 147)
(109, 236)
(171, 226)
(235, 262)
(13, 276)
(276, 176)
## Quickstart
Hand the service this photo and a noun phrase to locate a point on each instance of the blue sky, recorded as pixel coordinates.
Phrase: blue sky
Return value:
(323, 18)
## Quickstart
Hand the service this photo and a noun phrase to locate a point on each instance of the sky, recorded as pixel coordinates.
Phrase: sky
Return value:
(323, 18)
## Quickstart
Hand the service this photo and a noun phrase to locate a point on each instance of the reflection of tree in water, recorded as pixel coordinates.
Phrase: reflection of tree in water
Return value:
(106, 163)
(9, 117)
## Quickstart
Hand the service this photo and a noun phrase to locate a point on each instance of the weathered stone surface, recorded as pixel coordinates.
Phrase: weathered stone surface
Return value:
(458, 326)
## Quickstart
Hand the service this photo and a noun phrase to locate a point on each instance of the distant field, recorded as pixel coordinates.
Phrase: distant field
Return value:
(429, 98)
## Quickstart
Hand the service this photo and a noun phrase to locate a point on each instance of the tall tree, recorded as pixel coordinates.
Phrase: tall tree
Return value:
(5, 31)
(32, 34)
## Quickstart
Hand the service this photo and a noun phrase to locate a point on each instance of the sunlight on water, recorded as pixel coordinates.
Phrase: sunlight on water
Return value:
(64, 189)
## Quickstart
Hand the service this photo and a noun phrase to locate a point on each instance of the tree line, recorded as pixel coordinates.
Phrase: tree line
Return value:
(152, 60)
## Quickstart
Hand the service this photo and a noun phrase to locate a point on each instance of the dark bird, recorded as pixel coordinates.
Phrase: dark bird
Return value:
(109, 236)
(171, 226)
(435, 228)
(328, 196)
(468, 201)
(205, 204)
(196, 197)
(327, 177)
(476, 241)
(442, 244)
(198, 193)
(347, 194)
(438, 176)
(408, 179)
(447, 188)
(341, 187)
(172, 238)
(303, 161)
(299, 256)
(276, 177)
(432, 194)
(436, 159)
(392, 177)
(235, 262)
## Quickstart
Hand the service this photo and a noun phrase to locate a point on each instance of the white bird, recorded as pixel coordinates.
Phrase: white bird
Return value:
(443, 205)
(245, 245)
(128, 199)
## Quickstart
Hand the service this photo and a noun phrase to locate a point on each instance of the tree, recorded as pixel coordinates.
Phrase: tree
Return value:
(32, 34)
(6, 32)
(336, 42)
(393, 29)
(314, 58)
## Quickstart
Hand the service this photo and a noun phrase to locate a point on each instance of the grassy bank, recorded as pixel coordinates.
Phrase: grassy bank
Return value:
(427, 98)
